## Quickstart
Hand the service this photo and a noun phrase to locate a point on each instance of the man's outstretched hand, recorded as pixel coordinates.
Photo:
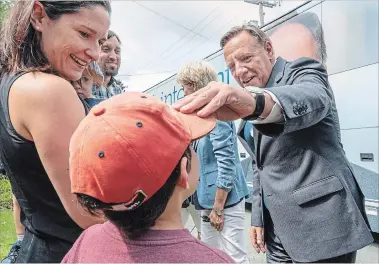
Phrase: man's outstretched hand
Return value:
(226, 102)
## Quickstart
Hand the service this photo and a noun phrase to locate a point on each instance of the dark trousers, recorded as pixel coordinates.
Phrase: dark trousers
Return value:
(277, 254)
(35, 249)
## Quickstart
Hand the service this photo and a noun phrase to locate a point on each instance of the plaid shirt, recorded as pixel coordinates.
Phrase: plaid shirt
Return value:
(115, 87)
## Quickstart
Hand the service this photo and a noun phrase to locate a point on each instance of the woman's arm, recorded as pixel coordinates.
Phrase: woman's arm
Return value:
(46, 109)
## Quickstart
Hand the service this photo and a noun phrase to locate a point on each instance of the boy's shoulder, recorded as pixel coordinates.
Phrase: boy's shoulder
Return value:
(167, 246)
(90, 241)
(210, 254)
(192, 250)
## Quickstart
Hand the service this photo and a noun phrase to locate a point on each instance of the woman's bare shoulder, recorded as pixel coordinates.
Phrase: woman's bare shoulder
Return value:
(44, 92)
(37, 97)
(41, 82)
(41, 87)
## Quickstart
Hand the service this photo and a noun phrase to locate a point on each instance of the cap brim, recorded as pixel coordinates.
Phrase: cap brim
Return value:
(197, 126)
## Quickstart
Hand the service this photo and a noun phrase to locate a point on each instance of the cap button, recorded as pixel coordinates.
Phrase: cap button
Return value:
(97, 110)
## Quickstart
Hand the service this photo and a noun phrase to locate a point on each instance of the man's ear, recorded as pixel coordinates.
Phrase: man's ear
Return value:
(270, 50)
(183, 178)
(38, 15)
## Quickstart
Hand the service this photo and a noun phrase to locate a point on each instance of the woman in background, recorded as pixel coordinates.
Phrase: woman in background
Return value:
(222, 188)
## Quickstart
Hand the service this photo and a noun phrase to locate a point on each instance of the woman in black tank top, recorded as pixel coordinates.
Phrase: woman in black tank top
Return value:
(43, 46)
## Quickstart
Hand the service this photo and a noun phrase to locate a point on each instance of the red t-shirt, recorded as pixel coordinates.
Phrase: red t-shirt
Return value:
(104, 243)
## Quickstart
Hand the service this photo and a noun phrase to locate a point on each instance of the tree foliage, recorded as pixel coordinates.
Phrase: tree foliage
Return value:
(4, 8)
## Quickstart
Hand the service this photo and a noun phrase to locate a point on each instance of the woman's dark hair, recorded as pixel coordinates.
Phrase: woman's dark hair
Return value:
(20, 48)
(133, 223)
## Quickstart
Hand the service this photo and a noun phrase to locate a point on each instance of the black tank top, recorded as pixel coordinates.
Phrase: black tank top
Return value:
(42, 212)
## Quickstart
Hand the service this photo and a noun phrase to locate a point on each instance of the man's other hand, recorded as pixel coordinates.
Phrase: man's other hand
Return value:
(257, 239)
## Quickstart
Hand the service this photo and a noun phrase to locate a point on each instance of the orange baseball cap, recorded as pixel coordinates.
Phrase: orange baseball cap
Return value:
(126, 148)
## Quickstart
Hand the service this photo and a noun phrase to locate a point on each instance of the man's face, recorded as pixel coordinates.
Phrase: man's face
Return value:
(249, 63)
(110, 57)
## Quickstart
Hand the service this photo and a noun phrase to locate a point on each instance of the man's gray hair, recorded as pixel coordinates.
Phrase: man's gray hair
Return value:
(308, 19)
(197, 73)
(255, 32)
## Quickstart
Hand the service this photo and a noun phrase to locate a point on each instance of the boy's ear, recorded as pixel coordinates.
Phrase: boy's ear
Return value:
(183, 178)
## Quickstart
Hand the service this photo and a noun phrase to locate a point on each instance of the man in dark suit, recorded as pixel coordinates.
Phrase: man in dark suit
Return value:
(307, 205)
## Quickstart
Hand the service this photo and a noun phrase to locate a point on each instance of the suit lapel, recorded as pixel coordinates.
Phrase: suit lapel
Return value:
(277, 72)
(276, 76)
(241, 126)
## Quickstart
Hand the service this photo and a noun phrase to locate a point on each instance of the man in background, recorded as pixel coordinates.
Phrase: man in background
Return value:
(109, 62)
(222, 187)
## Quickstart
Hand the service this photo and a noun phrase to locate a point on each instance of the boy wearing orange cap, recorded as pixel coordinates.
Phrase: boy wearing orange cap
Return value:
(130, 160)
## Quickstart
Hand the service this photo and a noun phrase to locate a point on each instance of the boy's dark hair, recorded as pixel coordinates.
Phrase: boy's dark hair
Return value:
(133, 223)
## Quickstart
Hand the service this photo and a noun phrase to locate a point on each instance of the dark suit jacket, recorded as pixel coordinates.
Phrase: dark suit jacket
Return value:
(309, 186)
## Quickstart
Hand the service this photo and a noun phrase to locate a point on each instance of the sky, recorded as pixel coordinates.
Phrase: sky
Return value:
(159, 36)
